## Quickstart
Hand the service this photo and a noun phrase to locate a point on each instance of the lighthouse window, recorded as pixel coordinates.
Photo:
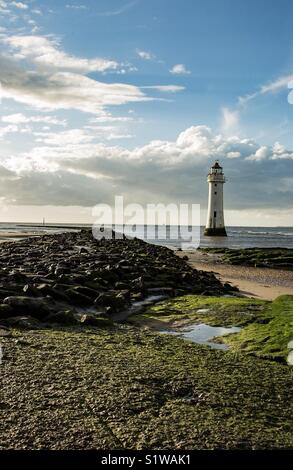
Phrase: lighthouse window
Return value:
(215, 214)
(215, 184)
(215, 192)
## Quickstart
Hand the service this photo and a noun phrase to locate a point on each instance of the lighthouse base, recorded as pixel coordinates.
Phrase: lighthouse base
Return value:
(215, 232)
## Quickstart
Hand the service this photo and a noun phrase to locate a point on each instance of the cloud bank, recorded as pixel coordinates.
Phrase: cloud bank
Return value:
(72, 168)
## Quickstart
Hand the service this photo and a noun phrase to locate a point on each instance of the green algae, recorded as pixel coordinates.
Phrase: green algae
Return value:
(220, 311)
(267, 327)
(269, 336)
(128, 388)
(258, 257)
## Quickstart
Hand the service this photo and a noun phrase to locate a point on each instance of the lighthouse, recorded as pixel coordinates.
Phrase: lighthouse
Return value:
(215, 221)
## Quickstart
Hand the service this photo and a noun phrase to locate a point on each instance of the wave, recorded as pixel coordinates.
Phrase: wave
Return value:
(254, 232)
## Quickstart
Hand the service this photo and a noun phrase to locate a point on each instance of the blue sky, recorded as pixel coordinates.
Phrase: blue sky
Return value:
(155, 88)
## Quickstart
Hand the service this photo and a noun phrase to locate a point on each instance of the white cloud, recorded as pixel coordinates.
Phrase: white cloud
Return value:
(7, 130)
(19, 118)
(230, 120)
(263, 153)
(146, 55)
(20, 5)
(107, 117)
(118, 11)
(281, 83)
(233, 155)
(63, 90)
(179, 69)
(115, 136)
(36, 72)
(77, 7)
(69, 137)
(4, 7)
(46, 53)
(166, 88)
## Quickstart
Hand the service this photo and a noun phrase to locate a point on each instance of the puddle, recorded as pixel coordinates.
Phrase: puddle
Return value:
(140, 305)
(203, 334)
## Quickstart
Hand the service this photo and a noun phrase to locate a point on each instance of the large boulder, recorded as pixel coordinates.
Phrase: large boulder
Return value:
(23, 322)
(115, 300)
(91, 293)
(45, 289)
(21, 305)
(77, 298)
(64, 317)
(6, 311)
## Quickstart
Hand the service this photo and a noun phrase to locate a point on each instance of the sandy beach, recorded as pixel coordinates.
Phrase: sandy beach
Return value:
(262, 283)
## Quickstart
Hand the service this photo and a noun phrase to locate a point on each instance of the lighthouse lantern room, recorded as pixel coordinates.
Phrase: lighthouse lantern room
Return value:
(215, 220)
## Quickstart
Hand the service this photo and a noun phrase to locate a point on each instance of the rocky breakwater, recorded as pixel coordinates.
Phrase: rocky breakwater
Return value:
(73, 278)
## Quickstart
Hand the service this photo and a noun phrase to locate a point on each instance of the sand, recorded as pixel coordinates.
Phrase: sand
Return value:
(262, 283)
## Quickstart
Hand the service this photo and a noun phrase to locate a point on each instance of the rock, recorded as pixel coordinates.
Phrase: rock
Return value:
(36, 307)
(65, 317)
(185, 258)
(122, 286)
(96, 284)
(83, 250)
(17, 276)
(116, 300)
(166, 291)
(30, 290)
(61, 270)
(24, 322)
(4, 332)
(8, 292)
(45, 289)
(89, 319)
(228, 286)
(77, 298)
(91, 293)
(5, 311)
(138, 284)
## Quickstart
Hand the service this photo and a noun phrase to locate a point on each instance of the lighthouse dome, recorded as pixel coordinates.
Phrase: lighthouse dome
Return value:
(217, 165)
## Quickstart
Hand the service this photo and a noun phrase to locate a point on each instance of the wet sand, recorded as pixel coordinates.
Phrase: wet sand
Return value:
(262, 283)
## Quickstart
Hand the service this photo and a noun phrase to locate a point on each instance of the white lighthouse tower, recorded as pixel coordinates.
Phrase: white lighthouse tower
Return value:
(215, 221)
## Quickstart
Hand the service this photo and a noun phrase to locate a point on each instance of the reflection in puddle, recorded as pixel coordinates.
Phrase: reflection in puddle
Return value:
(203, 334)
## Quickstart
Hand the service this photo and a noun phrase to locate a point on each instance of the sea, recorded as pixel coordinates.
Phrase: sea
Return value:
(238, 237)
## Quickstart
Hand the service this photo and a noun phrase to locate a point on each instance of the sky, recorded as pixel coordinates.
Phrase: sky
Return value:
(102, 98)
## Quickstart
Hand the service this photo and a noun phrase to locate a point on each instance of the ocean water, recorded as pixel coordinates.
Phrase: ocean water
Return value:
(238, 237)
